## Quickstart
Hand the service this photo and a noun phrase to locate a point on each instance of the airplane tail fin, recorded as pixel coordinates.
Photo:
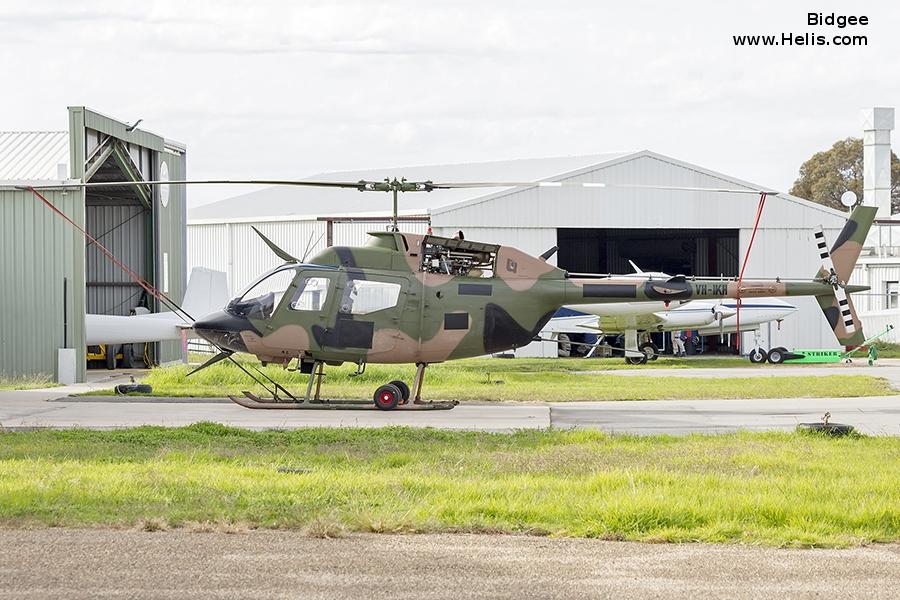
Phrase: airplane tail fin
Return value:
(837, 267)
(207, 292)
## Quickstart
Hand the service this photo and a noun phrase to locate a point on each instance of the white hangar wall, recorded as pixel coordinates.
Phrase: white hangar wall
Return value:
(529, 219)
(234, 248)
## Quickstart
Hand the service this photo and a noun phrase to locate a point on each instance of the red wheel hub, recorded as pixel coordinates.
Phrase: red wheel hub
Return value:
(386, 398)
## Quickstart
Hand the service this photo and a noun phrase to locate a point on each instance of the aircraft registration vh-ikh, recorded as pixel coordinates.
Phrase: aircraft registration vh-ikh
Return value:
(424, 299)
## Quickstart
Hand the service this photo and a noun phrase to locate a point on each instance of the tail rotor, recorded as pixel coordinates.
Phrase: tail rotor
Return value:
(831, 276)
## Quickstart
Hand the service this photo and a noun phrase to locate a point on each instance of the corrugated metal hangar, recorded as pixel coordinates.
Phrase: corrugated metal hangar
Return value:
(49, 277)
(597, 230)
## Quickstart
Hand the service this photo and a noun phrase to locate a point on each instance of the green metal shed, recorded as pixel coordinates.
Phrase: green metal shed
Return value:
(49, 277)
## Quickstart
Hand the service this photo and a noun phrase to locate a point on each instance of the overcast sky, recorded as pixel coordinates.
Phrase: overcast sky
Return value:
(287, 89)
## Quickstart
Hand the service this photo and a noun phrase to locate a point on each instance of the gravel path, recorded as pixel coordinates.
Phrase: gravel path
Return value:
(80, 563)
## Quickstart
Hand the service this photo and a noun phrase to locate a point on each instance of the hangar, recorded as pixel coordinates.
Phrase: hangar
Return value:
(49, 277)
(597, 230)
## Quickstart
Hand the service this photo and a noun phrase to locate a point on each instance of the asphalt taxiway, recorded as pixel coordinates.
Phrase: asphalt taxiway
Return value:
(879, 415)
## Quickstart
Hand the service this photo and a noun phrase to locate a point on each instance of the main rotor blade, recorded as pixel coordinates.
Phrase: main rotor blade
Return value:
(359, 185)
(590, 184)
(400, 186)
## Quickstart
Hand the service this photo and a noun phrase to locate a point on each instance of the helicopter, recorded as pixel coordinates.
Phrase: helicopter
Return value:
(423, 299)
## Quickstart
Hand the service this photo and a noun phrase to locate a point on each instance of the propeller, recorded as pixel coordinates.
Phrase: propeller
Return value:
(720, 313)
(831, 277)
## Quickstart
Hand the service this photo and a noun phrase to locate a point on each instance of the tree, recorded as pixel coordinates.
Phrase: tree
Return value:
(827, 175)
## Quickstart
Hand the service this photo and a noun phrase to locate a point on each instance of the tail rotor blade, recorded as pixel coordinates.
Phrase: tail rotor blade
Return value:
(844, 307)
(824, 254)
(840, 294)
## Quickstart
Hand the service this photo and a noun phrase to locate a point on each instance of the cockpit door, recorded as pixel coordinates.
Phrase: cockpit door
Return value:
(368, 313)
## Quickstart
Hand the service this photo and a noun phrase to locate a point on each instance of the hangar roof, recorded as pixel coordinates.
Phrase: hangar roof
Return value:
(33, 155)
(697, 176)
(284, 201)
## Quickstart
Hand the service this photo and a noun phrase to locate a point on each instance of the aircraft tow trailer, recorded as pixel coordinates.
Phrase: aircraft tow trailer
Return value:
(822, 356)
(391, 396)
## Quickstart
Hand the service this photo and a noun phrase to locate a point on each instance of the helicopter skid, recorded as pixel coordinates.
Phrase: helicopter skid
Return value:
(252, 401)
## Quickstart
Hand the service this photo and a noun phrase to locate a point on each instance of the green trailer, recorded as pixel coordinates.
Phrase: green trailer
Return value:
(822, 356)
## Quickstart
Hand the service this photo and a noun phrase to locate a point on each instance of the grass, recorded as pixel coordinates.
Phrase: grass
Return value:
(757, 488)
(885, 350)
(27, 383)
(516, 380)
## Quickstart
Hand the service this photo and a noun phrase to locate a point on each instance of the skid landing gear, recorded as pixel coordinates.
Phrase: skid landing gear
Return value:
(390, 396)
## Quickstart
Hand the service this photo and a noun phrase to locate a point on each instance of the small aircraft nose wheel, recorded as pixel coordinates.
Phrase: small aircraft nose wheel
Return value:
(636, 360)
(387, 397)
(404, 390)
(758, 355)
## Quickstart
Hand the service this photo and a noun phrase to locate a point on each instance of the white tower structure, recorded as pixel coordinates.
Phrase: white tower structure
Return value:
(877, 126)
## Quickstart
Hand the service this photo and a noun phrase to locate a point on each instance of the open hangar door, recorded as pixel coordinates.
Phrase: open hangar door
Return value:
(698, 252)
(143, 226)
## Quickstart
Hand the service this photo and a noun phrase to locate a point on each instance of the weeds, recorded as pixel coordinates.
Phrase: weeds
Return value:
(763, 488)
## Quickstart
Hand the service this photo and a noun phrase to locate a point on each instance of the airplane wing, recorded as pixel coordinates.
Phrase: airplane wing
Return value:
(571, 324)
(582, 323)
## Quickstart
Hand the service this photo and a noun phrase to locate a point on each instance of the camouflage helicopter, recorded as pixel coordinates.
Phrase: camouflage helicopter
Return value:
(425, 299)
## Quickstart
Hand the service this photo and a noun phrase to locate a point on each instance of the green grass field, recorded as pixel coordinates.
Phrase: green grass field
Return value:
(773, 488)
(516, 380)
(27, 383)
(885, 350)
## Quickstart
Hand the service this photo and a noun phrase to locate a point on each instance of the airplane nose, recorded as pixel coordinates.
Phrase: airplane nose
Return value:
(224, 330)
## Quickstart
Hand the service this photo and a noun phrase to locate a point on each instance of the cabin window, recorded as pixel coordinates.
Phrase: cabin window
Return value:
(311, 294)
(362, 296)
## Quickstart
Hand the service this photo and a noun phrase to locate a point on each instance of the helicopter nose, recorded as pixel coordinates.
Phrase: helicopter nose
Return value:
(224, 330)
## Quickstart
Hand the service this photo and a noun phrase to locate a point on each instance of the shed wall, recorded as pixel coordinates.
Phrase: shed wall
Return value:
(40, 250)
(170, 261)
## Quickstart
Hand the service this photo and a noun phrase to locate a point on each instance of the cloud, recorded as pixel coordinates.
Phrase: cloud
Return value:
(291, 88)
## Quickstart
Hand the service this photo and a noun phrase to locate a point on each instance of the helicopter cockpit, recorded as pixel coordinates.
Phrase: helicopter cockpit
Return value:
(259, 299)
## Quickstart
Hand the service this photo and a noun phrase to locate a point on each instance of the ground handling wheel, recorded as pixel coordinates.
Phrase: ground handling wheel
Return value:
(758, 355)
(650, 349)
(636, 360)
(387, 397)
(404, 390)
(777, 355)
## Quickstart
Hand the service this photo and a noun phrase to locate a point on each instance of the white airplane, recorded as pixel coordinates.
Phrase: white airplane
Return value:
(207, 291)
(707, 317)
